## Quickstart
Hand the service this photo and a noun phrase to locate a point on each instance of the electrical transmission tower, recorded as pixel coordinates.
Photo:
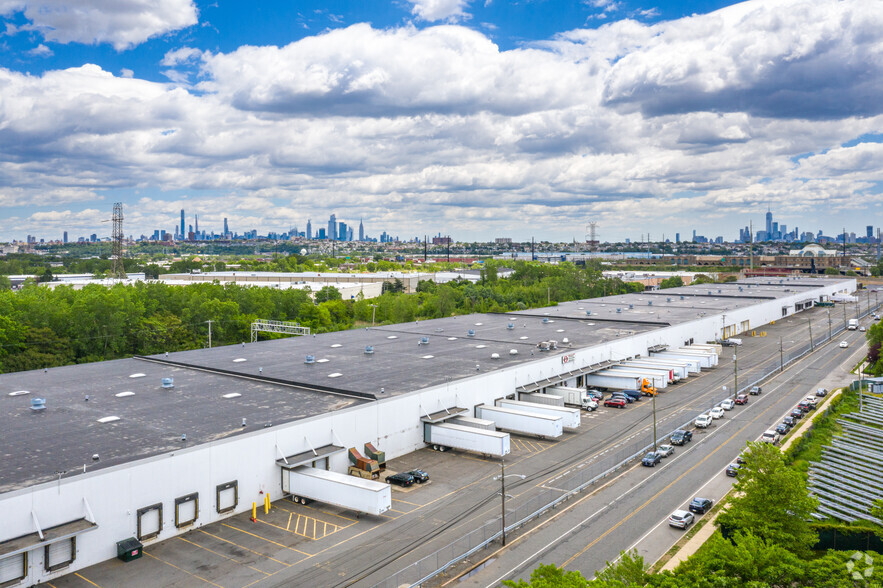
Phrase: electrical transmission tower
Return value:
(118, 270)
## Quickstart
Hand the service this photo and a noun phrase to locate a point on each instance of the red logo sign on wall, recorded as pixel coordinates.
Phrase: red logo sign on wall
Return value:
(569, 358)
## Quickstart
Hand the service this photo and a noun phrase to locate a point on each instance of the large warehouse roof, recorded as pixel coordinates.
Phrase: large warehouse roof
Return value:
(276, 384)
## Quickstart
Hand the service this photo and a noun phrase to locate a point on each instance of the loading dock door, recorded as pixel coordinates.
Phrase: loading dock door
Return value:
(13, 569)
(60, 554)
(186, 510)
(227, 496)
(149, 522)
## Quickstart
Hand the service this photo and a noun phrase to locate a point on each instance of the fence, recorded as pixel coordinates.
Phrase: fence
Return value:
(570, 485)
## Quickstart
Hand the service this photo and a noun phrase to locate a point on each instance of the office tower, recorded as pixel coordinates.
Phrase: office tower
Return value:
(309, 229)
(182, 223)
(331, 233)
(677, 237)
(362, 231)
(694, 235)
(869, 228)
(341, 231)
(769, 224)
(321, 234)
(349, 234)
(65, 235)
(226, 228)
(196, 225)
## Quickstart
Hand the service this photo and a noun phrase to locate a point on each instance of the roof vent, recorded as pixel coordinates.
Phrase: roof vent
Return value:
(495, 356)
(719, 290)
(310, 359)
(545, 321)
(369, 350)
(668, 299)
(38, 404)
(565, 340)
(618, 311)
(588, 313)
(19, 393)
(682, 297)
(543, 346)
(168, 382)
(631, 306)
(510, 326)
(424, 341)
(553, 344)
(470, 333)
(649, 303)
(513, 352)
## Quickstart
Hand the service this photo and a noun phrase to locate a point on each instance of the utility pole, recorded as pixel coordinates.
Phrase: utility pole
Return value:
(812, 346)
(735, 372)
(654, 421)
(829, 325)
(209, 333)
(781, 356)
(503, 495)
(424, 248)
(751, 245)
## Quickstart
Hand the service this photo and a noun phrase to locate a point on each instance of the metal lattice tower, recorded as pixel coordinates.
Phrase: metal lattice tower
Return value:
(118, 271)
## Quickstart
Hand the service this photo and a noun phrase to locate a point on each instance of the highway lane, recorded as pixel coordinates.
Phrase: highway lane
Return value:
(596, 528)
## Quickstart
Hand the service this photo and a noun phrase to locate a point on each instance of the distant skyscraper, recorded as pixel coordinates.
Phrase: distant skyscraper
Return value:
(341, 231)
(349, 234)
(182, 224)
(677, 237)
(309, 229)
(694, 235)
(226, 229)
(362, 230)
(869, 228)
(321, 234)
(196, 225)
(65, 234)
(331, 233)
(769, 224)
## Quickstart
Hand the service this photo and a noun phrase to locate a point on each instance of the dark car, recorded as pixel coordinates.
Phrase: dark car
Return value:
(733, 470)
(797, 413)
(625, 397)
(615, 402)
(700, 505)
(782, 429)
(402, 479)
(755, 390)
(651, 459)
(789, 420)
(681, 437)
(633, 394)
(419, 476)
(742, 399)
(596, 394)
(821, 392)
(805, 406)
(741, 460)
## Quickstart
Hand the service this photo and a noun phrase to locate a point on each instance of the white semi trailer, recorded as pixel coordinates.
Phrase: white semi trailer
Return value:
(443, 436)
(669, 374)
(540, 398)
(521, 421)
(468, 421)
(572, 396)
(694, 364)
(613, 381)
(306, 484)
(571, 416)
(656, 379)
(679, 369)
(711, 354)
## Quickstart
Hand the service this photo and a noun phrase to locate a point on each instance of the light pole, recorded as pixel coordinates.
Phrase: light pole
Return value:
(812, 346)
(502, 478)
(781, 356)
(654, 421)
(373, 313)
(829, 325)
(735, 372)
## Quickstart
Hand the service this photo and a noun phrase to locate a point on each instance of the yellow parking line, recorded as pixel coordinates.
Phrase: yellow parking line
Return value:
(406, 502)
(177, 568)
(288, 526)
(245, 548)
(267, 540)
(236, 561)
(82, 578)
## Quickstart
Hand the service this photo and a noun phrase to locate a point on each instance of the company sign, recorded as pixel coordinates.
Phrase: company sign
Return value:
(568, 359)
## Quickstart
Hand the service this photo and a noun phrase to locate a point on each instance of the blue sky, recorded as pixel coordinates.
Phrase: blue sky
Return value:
(476, 118)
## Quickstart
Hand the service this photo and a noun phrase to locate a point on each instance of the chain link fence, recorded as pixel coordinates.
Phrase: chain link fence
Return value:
(586, 474)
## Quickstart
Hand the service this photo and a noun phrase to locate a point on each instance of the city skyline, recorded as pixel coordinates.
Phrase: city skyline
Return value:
(525, 126)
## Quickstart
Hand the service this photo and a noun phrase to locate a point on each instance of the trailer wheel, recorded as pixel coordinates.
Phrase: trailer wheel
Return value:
(296, 499)
(435, 447)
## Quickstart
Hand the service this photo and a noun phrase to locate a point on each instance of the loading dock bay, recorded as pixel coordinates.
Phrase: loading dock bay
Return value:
(318, 543)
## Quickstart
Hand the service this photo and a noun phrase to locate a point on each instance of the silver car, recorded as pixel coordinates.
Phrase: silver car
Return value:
(665, 450)
(681, 519)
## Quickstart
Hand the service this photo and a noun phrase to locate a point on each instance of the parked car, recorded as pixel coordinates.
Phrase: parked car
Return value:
(822, 392)
(755, 390)
(790, 421)
(805, 406)
(702, 421)
(665, 450)
(740, 459)
(741, 399)
(733, 470)
(402, 479)
(419, 476)
(614, 402)
(681, 519)
(861, 329)
(651, 459)
(680, 437)
(628, 399)
(596, 394)
(770, 437)
(728, 404)
(782, 429)
(797, 413)
(716, 413)
(701, 505)
(633, 394)
(844, 344)
(812, 400)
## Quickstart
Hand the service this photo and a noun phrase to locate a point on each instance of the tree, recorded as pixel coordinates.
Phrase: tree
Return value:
(152, 271)
(46, 276)
(832, 271)
(771, 501)
(628, 571)
(550, 576)
(328, 293)
(701, 279)
(672, 282)
(5, 283)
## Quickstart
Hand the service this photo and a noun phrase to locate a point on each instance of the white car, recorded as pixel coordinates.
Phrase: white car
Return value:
(861, 329)
(716, 413)
(681, 519)
(702, 421)
(665, 450)
(844, 344)
(812, 400)
(728, 404)
(770, 437)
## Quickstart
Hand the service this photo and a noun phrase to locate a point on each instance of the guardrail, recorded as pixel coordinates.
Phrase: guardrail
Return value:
(551, 497)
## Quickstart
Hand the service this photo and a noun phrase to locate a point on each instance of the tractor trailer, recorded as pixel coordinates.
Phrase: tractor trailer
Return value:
(306, 484)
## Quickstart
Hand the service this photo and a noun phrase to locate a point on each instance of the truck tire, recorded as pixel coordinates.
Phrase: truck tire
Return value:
(296, 499)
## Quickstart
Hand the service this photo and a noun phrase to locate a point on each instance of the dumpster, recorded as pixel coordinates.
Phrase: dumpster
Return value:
(129, 549)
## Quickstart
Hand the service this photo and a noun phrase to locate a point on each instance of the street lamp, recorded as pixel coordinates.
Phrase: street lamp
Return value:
(502, 479)
(373, 312)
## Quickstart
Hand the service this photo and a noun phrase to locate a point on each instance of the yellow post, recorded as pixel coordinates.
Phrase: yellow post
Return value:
(266, 503)
(254, 511)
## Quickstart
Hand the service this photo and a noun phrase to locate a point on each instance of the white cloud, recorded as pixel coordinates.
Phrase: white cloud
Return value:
(437, 129)
(122, 23)
(41, 51)
(435, 10)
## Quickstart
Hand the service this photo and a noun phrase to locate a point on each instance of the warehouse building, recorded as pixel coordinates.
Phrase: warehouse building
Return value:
(150, 447)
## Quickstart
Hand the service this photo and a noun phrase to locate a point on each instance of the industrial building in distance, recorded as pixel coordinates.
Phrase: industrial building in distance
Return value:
(150, 447)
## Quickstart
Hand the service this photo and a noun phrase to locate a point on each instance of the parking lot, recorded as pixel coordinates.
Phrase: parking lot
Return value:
(323, 545)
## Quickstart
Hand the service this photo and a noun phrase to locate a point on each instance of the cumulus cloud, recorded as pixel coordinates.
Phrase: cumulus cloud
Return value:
(435, 10)
(122, 23)
(41, 50)
(438, 129)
